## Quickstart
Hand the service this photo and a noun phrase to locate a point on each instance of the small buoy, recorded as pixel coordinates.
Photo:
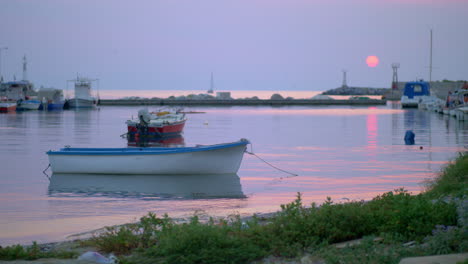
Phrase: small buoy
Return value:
(421, 147)
(206, 123)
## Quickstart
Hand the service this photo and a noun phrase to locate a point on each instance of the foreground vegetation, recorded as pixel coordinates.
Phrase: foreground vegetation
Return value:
(393, 225)
(31, 253)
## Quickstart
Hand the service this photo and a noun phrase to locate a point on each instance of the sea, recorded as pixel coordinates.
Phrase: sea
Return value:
(347, 153)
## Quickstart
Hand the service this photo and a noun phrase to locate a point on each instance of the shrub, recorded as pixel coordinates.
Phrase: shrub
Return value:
(447, 239)
(205, 243)
(452, 181)
(329, 223)
(413, 216)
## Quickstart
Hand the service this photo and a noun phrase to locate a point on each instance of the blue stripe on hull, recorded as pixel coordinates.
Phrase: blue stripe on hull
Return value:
(143, 151)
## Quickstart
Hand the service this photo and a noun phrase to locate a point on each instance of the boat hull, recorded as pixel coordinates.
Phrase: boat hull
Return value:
(412, 102)
(7, 107)
(169, 130)
(415, 93)
(52, 106)
(29, 105)
(176, 140)
(213, 159)
(81, 103)
(461, 113)
(55, 106)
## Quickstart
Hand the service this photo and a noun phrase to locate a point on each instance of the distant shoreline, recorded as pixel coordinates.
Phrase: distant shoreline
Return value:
(349, 90)
(240, 102)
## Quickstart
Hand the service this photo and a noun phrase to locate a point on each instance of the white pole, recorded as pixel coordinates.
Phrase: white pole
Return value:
(97, 80)
(1, 48)
(430, 61)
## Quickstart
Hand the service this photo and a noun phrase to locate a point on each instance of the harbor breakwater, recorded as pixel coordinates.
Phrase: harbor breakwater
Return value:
(438, 88)
(240, 102)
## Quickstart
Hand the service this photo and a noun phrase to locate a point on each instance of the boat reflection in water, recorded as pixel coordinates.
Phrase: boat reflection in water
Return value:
(152, 141)
(146, 186)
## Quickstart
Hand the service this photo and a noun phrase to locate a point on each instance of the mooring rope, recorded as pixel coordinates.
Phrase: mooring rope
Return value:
(269, 164)
(44, 171)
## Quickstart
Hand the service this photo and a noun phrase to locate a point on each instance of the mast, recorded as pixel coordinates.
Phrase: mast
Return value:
(25, 68)
(395, 67)
(1, 76)
(430, 60)
(345, 84)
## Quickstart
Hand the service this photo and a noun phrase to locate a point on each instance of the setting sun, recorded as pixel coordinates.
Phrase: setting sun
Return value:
(372, 61)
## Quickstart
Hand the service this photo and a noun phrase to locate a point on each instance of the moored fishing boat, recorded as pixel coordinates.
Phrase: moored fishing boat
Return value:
(19, 92)
(459, 106)
(202, 159)
(415, 93)
(52, 99)
(83, 97)
(28, 104)
(161, 124)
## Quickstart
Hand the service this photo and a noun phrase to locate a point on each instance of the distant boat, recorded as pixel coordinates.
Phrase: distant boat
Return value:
(83, 97)
(359, 97)
(457, 103)
(415, 93)
(51, 98)
(20, 92)
(7, 105)
(28, 104)
(223, 158)
(461, 110)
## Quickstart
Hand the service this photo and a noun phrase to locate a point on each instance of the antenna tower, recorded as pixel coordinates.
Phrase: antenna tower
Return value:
(211, 84)
(344, 80)
(395, 67)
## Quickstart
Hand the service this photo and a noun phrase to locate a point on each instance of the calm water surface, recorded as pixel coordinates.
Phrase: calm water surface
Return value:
(341, 152)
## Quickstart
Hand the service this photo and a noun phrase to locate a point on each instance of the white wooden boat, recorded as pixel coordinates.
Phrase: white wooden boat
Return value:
(202, 159)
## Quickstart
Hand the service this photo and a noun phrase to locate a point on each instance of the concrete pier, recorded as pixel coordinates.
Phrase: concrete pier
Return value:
(238, 102)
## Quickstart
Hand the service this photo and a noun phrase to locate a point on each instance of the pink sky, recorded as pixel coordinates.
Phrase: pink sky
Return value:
(248, 45)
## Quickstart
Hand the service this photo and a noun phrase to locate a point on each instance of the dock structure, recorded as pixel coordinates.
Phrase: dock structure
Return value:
(240, 102)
